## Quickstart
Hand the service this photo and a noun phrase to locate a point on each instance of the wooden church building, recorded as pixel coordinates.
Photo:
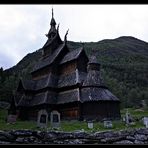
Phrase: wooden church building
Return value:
(66, 81)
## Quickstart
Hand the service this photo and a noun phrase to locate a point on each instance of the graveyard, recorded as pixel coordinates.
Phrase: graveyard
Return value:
(73, 125)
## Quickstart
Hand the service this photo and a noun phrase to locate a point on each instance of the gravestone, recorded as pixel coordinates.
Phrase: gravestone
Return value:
(108, 124)
(145, 121)
(128, 119)
(55, 119)
(90, 124)
(123, 119)
(42, 119)
(143, 103)
(11, 118)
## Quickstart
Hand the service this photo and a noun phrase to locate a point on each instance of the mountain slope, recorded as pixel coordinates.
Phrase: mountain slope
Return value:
(124, 63)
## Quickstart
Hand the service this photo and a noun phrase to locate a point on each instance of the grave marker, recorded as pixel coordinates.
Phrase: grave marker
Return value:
(90, 124)
(145, 121)
(42, 119)
(55, 119)
(143, 103)
(108, 124)
(11, 118)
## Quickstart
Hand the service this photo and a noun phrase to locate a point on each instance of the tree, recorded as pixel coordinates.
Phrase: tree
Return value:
(133, 98)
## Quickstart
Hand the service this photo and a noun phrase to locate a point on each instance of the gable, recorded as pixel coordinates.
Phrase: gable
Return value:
(73, 55)
(20, 86)
(50, 59)
(51, 45)
(26, 85)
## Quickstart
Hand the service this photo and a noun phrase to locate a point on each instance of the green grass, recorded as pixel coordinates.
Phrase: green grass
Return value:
(3, 114)
(18, 125)
(136, 113)
(75, 125)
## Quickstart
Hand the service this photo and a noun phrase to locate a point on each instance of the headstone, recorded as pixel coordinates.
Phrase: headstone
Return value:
(127, 117)
(42, 119)
(55, 119)
(145, 121)
(143, 103)
(11, 118)
(108, 124)
(123, 119)
(90, 124)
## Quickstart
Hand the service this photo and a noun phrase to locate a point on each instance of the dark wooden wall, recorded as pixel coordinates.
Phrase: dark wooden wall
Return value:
(67, 68)
(33, 115)
(41, 73)
(99, 110)
(69, 111)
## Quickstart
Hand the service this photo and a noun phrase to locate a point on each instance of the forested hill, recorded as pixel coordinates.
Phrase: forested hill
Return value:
(124, 63)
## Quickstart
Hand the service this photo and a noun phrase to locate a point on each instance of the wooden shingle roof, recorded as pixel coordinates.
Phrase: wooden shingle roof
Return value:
(28, 84)
(68, 96)
(48, 81)
(48, 97)
(71, 79)
(93, 78)
(72, 55)
(97, 94)
(48, 60)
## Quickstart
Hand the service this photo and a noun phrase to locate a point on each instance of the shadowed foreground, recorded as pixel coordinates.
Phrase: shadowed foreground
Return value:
(135, 136)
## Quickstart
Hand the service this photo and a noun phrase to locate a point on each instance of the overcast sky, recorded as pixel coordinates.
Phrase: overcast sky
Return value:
(23, 27)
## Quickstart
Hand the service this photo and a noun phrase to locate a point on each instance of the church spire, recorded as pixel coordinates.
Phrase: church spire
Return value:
(52, 30)
(52, 23)
(53, 36)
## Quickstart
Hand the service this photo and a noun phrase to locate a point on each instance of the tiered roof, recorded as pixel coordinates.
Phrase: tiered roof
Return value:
(59, 89)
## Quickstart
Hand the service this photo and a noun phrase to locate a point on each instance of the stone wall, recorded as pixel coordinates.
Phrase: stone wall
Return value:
(135, 136)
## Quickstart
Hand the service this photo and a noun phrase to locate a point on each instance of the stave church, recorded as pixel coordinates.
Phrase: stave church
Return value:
(67, 81)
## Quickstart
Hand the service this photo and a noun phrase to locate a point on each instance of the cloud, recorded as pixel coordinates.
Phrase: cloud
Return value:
(20, 33)
(7, 59)
(23, 27)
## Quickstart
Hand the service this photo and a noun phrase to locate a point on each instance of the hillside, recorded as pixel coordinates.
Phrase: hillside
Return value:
(124, 63)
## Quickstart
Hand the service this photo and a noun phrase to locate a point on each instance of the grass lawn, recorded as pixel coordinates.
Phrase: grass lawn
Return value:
(75, 125)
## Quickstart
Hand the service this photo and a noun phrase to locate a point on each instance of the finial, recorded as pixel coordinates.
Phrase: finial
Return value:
(52, 12)
(66, 35)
